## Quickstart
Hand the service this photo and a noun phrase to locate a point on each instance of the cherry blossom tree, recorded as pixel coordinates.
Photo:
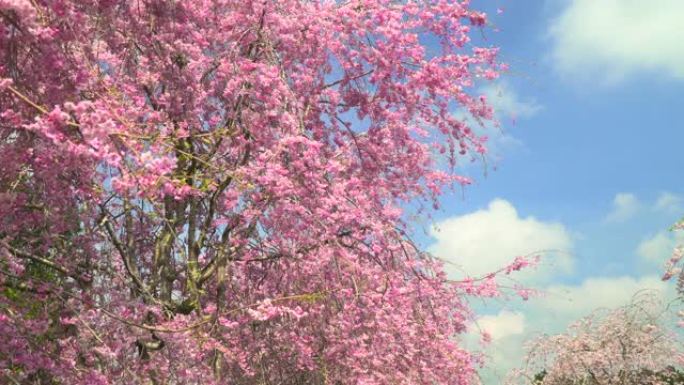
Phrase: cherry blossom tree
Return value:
(626, 346)
(213, 191)
(673, 269)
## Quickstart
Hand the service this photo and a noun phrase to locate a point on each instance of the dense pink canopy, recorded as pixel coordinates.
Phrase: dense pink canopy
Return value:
(211, 191)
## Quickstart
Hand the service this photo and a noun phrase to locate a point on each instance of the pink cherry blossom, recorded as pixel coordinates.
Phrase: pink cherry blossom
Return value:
(214, 191)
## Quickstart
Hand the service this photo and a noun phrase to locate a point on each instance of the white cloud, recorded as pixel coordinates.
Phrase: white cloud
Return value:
(507, 103)
(504, 324)
(572, 302)
(670, 203)
(658, 248)
(625, 205)
(607, 40)
(487, 240)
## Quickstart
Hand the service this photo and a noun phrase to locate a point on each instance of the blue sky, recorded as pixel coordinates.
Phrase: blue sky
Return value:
(588, 164)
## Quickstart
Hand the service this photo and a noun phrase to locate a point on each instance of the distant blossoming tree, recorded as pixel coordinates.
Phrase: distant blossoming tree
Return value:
(673, 269)
(211, 191)
(626, 346)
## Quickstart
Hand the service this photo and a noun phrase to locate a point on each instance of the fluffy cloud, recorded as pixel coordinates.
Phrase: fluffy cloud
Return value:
(507, 103)
(571, 302)
(486, 240)
(504, 324)
(625, 205)
(658, 248)
(610, 39)
(670, 203)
